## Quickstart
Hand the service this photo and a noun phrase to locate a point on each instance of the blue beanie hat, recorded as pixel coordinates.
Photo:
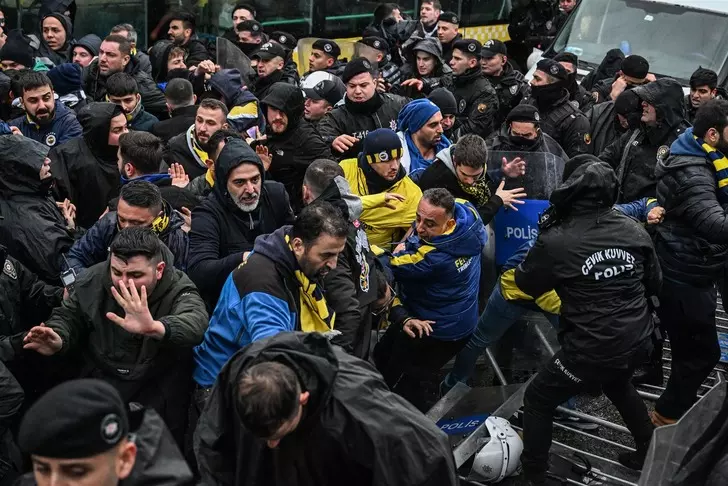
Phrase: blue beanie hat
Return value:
(66, 78)
(415, 114)
(381, 145)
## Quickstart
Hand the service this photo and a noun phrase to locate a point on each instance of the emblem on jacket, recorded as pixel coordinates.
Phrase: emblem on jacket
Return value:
(362, 245)
(9, 270)
(51, 139)
(663, 152)
(461, 106)
(482, 107)
(514, 89)
(393, 125)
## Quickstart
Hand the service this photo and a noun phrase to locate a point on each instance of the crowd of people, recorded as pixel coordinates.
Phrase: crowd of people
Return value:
(227, 277)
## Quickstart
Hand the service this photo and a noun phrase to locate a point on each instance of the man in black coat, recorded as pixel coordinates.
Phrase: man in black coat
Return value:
(634, 155)
(270, 68)
(610, 120)
(447, 33)
(477, 100)
(180, 99)
(182, 33)
(85, 169)
(364, 109)
(32, 227)
(691, 245)
(114, 57)
(326, 412)
(509, 84)
(292, 142)
(242, 206)
(522, 132)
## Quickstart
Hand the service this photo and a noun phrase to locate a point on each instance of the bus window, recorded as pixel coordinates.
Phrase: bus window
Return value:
(292, 16)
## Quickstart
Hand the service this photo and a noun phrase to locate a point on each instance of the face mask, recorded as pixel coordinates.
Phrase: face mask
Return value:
(547, 96)
(522, 142)
(248, 47)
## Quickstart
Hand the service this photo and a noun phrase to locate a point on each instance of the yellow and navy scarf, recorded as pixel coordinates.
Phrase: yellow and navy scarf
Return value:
(479, 191)
(199, 154)
(720, 164)
(316, 316)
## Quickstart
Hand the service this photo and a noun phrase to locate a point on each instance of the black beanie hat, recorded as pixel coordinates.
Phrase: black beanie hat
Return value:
(356, 67)
(524, 113)
(635, 67)
(17, 49)
(569, 57)
(553, 68)
(445, 100)
(577, 161)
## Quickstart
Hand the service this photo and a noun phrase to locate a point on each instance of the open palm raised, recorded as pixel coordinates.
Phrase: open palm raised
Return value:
(137, 319)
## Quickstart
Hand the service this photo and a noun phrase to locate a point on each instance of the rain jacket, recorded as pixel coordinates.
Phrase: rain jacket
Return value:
(85, 169)
(93, 247)
(293, 150)
(354, 431)
(32, 227)
(383, 226)
(221, 232)
(692, 241)
(244, 110)
(601, 264)
(438, 278)
(48, 56)
(634, 155)
(61, 129)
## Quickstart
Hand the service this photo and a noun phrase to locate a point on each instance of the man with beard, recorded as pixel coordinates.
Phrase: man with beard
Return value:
(190, 148)
(477, 100)
(703, 88)
(447, 33)
(250, 36)
(278, 288)
(85, 168)
(429, 15)
(634, 154)
(242, 12)
(510, 85)
(291, 141)
(128, 31)
(610, 120)
(182, 33)
(46, 119)
(134, 319)
(364, 109)
(115, 57)
(521, 132)
(420, 122)
(122, 89)
(389, 196)
(560, 118)
(86, 49)
(635, 71)
(448, 105)
(321, 99)
(271, 60)
(325, 57)
(242, 206)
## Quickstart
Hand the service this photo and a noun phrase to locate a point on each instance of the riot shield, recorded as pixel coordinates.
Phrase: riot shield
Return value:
(230, 57)
(514, 228)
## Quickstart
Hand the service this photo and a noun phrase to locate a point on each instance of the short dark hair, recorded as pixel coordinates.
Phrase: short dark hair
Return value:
(318, 218)
(142, 150)
(713, 114)
(320, 174)
(124, 43)
(470, 151)
(704, 77)
(213, 104)
(121, 84)
(142, 194)
(244, 6)
(435, 4)
(125, 28)
(437, 196)
(188, 19)
(179, 93)
(137, 241)
(32, 80)
(216, 139)
(383, 11)
(268, 395)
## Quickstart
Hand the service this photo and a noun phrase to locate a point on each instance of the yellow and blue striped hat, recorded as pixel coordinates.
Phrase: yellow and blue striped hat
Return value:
(381, 145)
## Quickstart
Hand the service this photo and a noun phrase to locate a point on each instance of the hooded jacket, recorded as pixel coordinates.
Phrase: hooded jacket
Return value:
(439, 277)
(634, 155)
(62, 128)
(477, 103)
(293, 150)
(610, 65)
(351, 431)
(85, 169)
(48, 56)
(90, 42)
(95, 86)
(602, 265)
(692, 241)
(244, 110)
(93, 247)
(441, 77)
(358, 119)
(32, 228)
(221, 232)
(158, 57)
(512, 88)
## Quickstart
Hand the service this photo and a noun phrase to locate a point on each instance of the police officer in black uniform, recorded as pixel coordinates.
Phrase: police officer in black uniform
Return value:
(509, 84)
(477, 100)
(604, 269)
(560, 117)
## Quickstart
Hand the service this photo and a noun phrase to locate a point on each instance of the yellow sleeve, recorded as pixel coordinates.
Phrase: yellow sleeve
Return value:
(372, 201)
(548, 302)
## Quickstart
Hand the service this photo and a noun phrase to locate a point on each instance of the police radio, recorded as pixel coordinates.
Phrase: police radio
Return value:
(68, 277)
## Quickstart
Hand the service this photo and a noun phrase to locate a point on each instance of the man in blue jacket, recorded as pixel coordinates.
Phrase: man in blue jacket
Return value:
(438, 272)
(46, 119)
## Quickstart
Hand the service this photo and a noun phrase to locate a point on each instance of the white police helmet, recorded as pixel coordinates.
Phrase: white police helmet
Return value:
(501, 456)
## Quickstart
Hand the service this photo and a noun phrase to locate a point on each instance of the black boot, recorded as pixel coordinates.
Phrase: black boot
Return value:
(634, 460)
(651, 373)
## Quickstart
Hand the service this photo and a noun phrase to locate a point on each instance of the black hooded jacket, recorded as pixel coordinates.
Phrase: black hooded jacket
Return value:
(221, 232)
(158, 57)
(354, 431)
(293, 150)
(51, 57)
(441, 77)
(610, 65)
(94, 84)
(85, 169)
(32, 228)
(634, 154)
(602, 265)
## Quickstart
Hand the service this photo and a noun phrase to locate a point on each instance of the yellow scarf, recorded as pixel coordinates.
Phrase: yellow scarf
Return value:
(315, 313)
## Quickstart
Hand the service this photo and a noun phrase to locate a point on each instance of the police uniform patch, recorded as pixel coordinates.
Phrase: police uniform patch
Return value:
(256, 28)
(51, 139)
(377, 44)
(282, 39)
(554, 69)
(319, 86)
(587, 138)
(489, 43)
(549, 24)
(327, 47)
(482, 107)
(537, 117)
(366, 64)
(266, 46)
(111, 429)
(9, 270)
(383, 156)
(471, 47)
(461, 106)
(514, 89)
(663, 152)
